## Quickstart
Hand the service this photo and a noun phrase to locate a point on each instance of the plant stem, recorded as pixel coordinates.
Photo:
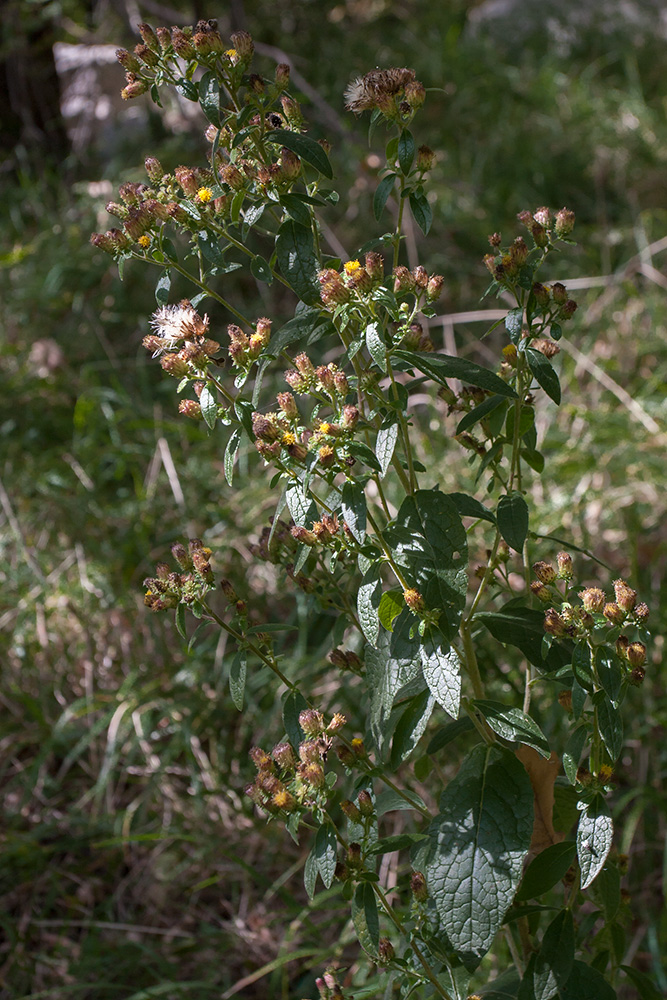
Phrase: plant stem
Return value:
(430, 974)
(471, 659)
(269, 661)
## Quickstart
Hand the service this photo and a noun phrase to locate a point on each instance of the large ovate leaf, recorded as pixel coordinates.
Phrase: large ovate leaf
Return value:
(594, 836)
(440, 367)
(428, 542)
(555, 958)
(478, 843)
(295, 252)
(442, 672)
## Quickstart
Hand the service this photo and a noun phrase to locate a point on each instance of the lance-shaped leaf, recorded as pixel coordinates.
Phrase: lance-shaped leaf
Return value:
(237, 674)
(354, 510)
(514, 725)
(544, 374)
(393, 668)
(385, 444)
(302, 508)
(365, 918)
(478, 843)
(295, 252)
(610, 725)
(442, 672)
(440, 367)
(368, 603)
(428, 542)
(325, 853)
(512, 517)
(594, 835)
(411, 725)
(546, 870)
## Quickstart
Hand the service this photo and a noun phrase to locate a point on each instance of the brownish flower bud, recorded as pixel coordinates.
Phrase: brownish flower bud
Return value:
(292, 112)
(303, 535)
(181, 555)
(541, 294)
(637, 676)
(434, 287)
(351, 811)
(641, 612)
(128, 61)
(187, 178)
(244, 45)
(593, 599)
(420, 276)
(281, 78)
(553, 623)
(146, 55)
(183, 46)
(385, 951)
(564, 222)
(540, 591)
(313, 774)
(495, 239)
(613, 613)
(519, 251)
(337, 722)
(173, 364)
(544, 571)
(345, 756)
(374, 263)
(311, 721)
(358, 747)
(565, 571)
(149, 37)
(490, 263)
(626, 598)
(207, 42)
(341, 384)
(415, 94)
(549, 348)
(304, 365)
(403, 280)
(261, 759)
(418, 887)
(287, 404)
(636, 654)
(284, 800)
(190, 408)
(354, 855)
(349, 417)
(543, 217)
(365, 803)
(233, 177)
(290, 164)
(568, 310)
(584, 776)
(265, 428)
(425, 158)
(326, 456)
(526, 218)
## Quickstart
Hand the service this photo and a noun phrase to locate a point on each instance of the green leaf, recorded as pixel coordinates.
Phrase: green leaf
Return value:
(544, 374)
(546, 870)
(209, 98)
(572, 753)
(261, 270)
(385, 444)
(442, 672)
(478, 843)
(237, 675)
(293, 704)
(306, 148)
(512, 517)
(606, 891)
(162, 288)
(594, 835)
(555, 959)
(307, 323)
(365, 918)
(186, 88)
(252, 215)
(296, 208)
(447, 734)
(421, 211)
(526, 424)
(210, 248)
(230, 455)
(390, 801)
(397, 842)
(645, 986)
(481, 411)
(295, 253)
(302, 508)
(581, 666)
(610, 725)
(368, 602)
(310, 873)
(411, 726)
(610, 673)
(382, 193)
(362, 452)
(513, 725)
(209, 406)
(393, 670)
(354, 510)
(514, 323)
(391, 605)
(586, 983)
(325, 853)
(180, 621)
(440, 367)
(467, 506)
(376, 345)
(429, 544)
(406, 151)
(524, 628)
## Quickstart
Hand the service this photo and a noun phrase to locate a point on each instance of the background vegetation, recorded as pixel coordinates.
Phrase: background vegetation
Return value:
(131, 865)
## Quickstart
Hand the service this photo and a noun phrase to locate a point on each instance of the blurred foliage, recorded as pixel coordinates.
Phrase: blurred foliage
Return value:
(129, 855)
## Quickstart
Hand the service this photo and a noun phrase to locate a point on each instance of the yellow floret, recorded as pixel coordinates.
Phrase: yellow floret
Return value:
(144, 241)
(204, 195)
(351, 266)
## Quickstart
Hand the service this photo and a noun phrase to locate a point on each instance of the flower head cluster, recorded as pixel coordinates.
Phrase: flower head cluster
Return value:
(395, 92)
(286, 781)
(167, 589)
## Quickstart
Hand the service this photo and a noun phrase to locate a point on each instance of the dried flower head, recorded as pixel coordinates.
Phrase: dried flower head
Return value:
(373, 89)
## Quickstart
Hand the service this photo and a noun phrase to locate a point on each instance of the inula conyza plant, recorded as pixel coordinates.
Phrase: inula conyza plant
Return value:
(494, 882)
